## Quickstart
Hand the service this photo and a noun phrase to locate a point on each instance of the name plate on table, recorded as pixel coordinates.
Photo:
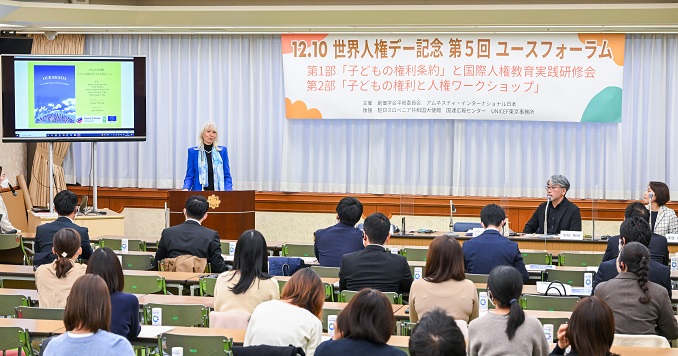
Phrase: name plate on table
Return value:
(477, 231)
(672, 237)
(571, 235)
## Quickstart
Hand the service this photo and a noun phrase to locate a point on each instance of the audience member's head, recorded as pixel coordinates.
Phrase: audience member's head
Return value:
(368, 316)
(65, 203)
(196, 207)
(635, 257)
(377, 228)
(504, 287)
(444, 260)
(305, 290)
(105, 264)
(635, 229)
(88, 307)
(66, 245)
(492, 215)
(437, 334)
(661, 192)
(250, 260)
(637, 209)
(349, 210)
(590, 330)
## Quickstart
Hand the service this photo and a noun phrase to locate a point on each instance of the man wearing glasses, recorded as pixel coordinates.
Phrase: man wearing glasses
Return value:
(561, 215)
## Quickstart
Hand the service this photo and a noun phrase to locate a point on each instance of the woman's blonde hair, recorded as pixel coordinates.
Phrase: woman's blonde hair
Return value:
(207, 126)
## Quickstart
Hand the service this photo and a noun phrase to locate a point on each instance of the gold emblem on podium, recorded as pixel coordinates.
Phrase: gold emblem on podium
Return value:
(214, 201)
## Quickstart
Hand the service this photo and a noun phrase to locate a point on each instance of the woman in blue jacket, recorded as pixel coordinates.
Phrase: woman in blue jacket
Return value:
(207, 167)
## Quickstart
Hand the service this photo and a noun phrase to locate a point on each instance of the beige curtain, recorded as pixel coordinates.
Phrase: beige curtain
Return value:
(39, 184)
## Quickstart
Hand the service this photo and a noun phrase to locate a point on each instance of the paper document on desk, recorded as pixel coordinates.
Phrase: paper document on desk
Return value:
(151, 331)
(536, 267)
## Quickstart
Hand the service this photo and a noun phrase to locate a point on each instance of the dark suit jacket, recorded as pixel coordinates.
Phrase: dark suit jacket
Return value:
(659, 249)
(191, 238)
(569, 220)
(44, 236)
(658, 273)
(375, 268)
(332, 243)
(490, 249)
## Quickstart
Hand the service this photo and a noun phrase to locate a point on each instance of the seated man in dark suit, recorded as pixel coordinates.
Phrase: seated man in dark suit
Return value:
(490, 249)
(659, 249)
(374, 267)
(639, 230)
(66, 205)
(562, 214)
(335, 241)
(191, 238)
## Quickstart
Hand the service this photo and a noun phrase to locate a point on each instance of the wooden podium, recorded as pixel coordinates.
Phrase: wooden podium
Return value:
(230, 212)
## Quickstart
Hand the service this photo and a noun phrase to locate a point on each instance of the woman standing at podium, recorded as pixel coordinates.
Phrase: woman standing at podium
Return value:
(207, 167)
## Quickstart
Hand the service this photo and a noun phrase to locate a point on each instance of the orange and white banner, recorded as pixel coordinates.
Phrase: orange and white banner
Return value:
(534, 77)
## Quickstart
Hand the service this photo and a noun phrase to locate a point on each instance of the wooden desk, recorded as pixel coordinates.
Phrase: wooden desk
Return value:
(341, 306)
(643, 351)
(99, 225)
(328, 280)
(30, 293)
(35, 327)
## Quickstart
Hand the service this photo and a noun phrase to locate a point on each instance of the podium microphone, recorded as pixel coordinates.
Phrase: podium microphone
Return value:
(452, 211)
(12, 188)
(546, 220)
(649, 206)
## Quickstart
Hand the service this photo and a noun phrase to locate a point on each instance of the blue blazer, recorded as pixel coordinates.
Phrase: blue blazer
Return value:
(490, 249)
(332, 243)
(192, 180)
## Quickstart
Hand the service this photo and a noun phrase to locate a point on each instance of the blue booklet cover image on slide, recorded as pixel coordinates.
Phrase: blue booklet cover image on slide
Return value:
(54, 94)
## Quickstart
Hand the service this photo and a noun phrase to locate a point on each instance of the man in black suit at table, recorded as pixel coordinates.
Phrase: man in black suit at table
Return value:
(66, 205)
(191, 238)
(374, 267)
(659, 249)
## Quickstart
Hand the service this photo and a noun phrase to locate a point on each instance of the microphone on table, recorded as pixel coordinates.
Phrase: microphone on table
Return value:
(546, 220)
(12, 188)
(649, 206)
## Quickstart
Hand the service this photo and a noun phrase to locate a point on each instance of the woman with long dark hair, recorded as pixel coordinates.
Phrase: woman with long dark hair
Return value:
(249, 283)
(506, 330)
(54, 280)
(590, 330)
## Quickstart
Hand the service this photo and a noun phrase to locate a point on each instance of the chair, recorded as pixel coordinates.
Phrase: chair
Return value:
(281, 284)
(15, 338)
(225, 247)
(327, 312)
(137, 262)
(196, 344)
(145, 284)
(477, 278)
(207, 286)
(537, 258)
(298, 250)
(573, 278)
(556, 322)
(13, 251)
(9, 302)
(548, 302)
(326, 272)
(229, 320)
(329, 292)
(116, 244)
(641, 341)
(178, 314)
(39, 313)
(404, 328)
(465, 226)
(414, 253)
(346, 295)
(580, 259)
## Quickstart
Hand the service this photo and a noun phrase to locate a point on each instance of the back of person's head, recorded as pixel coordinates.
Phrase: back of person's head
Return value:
(505, 285)
(65, 202)
(196, 207)
(250, 260)
(591, 327)
(105, 264)
(377, 227)
(636, 229)
(88, 306)
(637, 209)
(636, 258)
(661, 192)
(492, 215)
(305, 290)
(350, 210)
(368, 316)
(66, 244)
(444, 260)
(437, 334)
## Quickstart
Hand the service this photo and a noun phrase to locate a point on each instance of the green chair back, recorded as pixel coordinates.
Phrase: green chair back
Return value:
(12, 338)
(178, 314)
(281, 284)
(329, 292)
(145, 284)
(39, 313)
(207, 286)
(327, 312)
(137, 262)
(548, 302)
(326, 272)
(415, 253)
(116, 244)
(404, 328)
(573, 278)
(9, 302)
(537, 258)
(346, 295)
(580, 259)
(298, 250)
(13, 252)
(477, 278)
(196, 344)
(225, 246)
(555, 321)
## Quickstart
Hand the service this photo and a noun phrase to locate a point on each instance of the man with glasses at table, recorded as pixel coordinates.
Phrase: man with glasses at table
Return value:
(562, 214)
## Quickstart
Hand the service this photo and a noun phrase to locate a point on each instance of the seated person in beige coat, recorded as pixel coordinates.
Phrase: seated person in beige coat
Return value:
(54, 280)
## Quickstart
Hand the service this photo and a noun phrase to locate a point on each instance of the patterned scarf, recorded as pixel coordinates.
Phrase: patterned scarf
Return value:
(217, 167)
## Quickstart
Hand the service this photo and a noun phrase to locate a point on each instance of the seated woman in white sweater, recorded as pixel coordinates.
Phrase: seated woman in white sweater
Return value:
(249, 283)
(54, 280)
(292, 320)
